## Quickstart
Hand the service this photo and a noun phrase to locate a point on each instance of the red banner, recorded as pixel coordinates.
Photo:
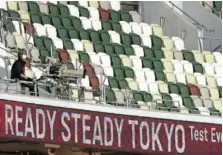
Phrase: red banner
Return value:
(31, 122)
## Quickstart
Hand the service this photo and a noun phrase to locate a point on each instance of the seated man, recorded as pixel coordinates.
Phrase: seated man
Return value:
(18, 72)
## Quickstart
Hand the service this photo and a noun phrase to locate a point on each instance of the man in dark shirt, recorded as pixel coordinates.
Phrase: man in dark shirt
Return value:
(18, 72)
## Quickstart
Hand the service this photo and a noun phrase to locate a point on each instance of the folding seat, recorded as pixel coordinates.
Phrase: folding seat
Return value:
(136, 62)
(157, 98)
(114, 16)
(180, 77)
(126, 39)
(138, 50)
(133, 85)
(84, 35)
(160, 76)
(44, 53)
(29, 29)
(13, 14)
(157, 42)
(146, 41)
(64, 10)
(119, 50)
(83, 3)
(168, 54)
(75, 3)
(83, 12)
(35, 55)
(109, 49)
(220, 91)
(110, 97)
(94, 82)
(188, 67)
(139, 74)
(88, 46)
(94, 4)
(135, 16)
(113, 82)
(136, 40)
(43, 7)
(209, 57)
(78, 45)
(148, 52)
(19, 28)
(73, 55)
(198, 68)
(214, 93)
(46, 19)
(105, 37)
(86, 23)
(188, 55)
(217, 69)
(106, 25)
(178, 102)
(63, 33)
(120, 97)
(51, 31)
(199, 105)
(48, 43)
(163, 87)
(184, 90)
(24, 16)
(138, 99)
(188, 102)
(64, 56)
(116, 27)
(35, 18)
(170, 77)
(128, 72)
(125, 16)
(85, 83)
(167, 65)
(89, 69)
(201, 80)
(73, 33)
(74, 11)
(115, 5)
(94, 14)
(54, 9)
(208, 69)
(158, 65)
(126, 27)
(178, 43)
(94, 35)
(147, 63)
(12, 5)
(105, 59)
(136, 28)
(114, 37)
(218, 105)
(99, 71)
(105, 5)
(219, 81)
(67, 22)
(129, 51)
(19, 40)
(96, 25)
(158, 54)
(58, 43)
(143, 86)
(178, 67)
(108, 71)
(191, 79)
(10, 41)
(168, 43)
(116, 61)
(119, 73)
(150, 75)
(211, 81)
(198, 56)
(178, 55)
(157, 30)
(146, 29)
(99, 47)
(38, 42)
(33, 7)
(104, 14)
(218, 57)
(77, 24)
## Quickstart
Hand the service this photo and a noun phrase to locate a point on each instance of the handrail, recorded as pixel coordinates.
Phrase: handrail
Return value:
(213, 9)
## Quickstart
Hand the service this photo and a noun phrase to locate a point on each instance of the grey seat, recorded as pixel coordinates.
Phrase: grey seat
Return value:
(135, 16)
(178, 55)
(204, 92)
(120, 98)
(207, 103)
(35, 54)
(10, 41)
(105, 5)
(43, 7)
(98, 70)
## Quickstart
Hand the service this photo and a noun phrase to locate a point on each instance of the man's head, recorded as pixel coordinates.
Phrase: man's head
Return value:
(22, 55)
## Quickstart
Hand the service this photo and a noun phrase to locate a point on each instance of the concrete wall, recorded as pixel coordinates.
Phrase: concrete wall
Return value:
(153, 10)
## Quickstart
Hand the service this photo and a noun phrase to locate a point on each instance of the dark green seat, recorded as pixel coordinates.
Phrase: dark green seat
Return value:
(94, 35)
(76, 23)
(148, 52)
(160, 76)
(119, 49)
(84, 57)
(110, 97)
(119, 73)
(173, 88)
(84, 35)
(198, 68)
(115, 61)
(63, 33)
(168, 102)
(44, 53)
(157, 42)
(126, 39)
(147, 97)
(147, 63)
(54, 9)
(114, 16)
(135, 39)
(73, 33)
(105, 38)
(109, 49)
(123, 84)
(129, 73)
(189, 56)
(158, 65)
(116, 27)
(48, 43)
(159, 54)
(137, 96)
(129, 50)
(57, 21)
(64, 11)
(67, 22)
(13, 14)
(188, 102)
(113, 83)
(184, 90)
(84, 12)
(125, 16)
(46, 19)
(218, 5)
(33, 7)
(68, 45)
(106, 25)
(38, 42)
(8, 26)
(99, 47)
(35, 18)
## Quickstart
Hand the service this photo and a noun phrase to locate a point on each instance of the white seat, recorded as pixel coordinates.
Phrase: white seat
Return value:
(38, 73)
(188, 67)
(83, 3)
(201, 80)
(3, 5)
(17, 25)
(204, 111)
(126, 27)
(208, 68)
(115, 5)
(108, 71)
(105, 60)
(146, 40)
(140, 76)
(103, 79)
(219, 80)
(138, 50)
(86, 23)
(19, 40)
(94, 14)
(95, 59)
(133, 85)
(177, 100)
(146, 29)
(40, 29)
(78, 45)
(149, 74)
(136, 62)
(115, 37)
(178, 43)
(217, 69)
(136, 28)
(180, 78)
(153, 88)
(143, 86)
(218, 57)
(96, 25)
(178, 67)
(58, 43)
(74, 11)
(51, 31)
(85, 82)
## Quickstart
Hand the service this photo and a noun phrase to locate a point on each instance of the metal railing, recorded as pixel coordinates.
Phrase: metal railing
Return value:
(201, 41)
(213, 10)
